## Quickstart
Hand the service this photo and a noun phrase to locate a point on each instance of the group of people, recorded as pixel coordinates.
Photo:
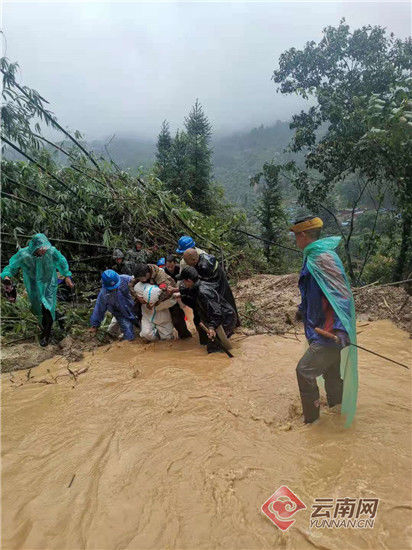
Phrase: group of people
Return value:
(142, 294)
(150, 296)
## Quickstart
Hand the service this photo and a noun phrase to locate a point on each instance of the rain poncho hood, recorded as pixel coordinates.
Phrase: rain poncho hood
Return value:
(39, 273)
(327, 269)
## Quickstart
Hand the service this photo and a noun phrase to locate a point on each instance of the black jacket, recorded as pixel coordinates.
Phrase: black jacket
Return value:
(209, 306)
(211, 272)
(174, 274)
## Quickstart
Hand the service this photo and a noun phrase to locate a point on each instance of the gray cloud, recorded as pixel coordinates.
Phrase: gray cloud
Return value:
(124, 67)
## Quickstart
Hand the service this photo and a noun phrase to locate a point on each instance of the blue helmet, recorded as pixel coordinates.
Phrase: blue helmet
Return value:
(161, 262)
(184, 243)
(110, 279)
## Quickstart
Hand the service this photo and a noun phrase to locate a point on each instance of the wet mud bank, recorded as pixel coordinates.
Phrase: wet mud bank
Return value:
(162, 446)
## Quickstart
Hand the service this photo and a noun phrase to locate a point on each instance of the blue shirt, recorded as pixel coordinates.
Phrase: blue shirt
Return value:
(316, 310)
(118, 301)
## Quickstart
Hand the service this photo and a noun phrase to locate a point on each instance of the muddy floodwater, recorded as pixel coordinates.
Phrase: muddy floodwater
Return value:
(161, 446)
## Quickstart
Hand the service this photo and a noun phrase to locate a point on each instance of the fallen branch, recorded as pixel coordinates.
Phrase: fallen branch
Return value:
(382, 285)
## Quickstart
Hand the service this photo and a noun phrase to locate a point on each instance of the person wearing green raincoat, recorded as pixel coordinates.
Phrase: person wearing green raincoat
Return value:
(39, 262)
(327, 304)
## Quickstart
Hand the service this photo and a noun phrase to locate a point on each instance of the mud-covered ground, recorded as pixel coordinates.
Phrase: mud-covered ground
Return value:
(268, 303)
(161, 446)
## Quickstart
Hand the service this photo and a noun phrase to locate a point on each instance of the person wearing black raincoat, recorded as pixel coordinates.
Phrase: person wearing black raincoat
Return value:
(210, 271)
(209, 307)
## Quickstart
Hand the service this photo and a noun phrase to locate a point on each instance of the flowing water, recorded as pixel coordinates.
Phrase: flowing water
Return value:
(161, 446)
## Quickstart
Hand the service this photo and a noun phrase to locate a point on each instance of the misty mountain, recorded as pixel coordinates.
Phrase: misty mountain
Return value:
(236, 157)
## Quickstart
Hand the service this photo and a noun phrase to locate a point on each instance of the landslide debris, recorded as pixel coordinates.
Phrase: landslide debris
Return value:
(267, 304)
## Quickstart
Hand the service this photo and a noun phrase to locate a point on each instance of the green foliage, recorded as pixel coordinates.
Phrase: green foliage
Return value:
(22, 109)
(385, 151)
(379, 268)
(17, 319)
(357, 127)
(248, 314)
(178, 165)
(184, 163)
(198, 130)
(163, 154)
(270, 212)
(88, 207)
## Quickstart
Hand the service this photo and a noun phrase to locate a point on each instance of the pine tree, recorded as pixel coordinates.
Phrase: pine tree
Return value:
(198, 130)
(163, 153)
(269, 211)
(178, 181)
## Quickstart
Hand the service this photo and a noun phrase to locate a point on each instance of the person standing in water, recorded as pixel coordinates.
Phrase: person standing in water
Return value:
(39, 262)
(210, 271)
(115, 297)
(209, 308)
(327, 304)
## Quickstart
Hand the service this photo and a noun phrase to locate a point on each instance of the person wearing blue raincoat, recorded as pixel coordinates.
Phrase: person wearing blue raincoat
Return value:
(39, 262)
(327, 304)
(115, 297)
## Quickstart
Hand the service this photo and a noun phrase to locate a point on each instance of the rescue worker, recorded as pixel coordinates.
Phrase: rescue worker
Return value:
(39, 262)
(115, 297)
(138, 254)
(171, 267)
(122, 266)
(184, 244)
(161, 263)
(209, 270)
(209, 307)
(150, 273)
(327, 304)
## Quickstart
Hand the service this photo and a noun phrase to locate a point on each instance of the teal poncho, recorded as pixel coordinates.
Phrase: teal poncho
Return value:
(327, 269)
(39, 273)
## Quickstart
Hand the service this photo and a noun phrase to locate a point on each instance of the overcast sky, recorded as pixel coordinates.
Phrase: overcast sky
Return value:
(114, 67)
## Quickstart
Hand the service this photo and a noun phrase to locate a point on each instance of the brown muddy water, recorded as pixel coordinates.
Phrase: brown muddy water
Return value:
(161, 446)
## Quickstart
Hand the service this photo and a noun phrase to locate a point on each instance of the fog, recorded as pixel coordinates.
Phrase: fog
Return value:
(124, 67)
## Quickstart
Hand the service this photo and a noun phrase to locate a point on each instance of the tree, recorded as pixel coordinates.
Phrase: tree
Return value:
(342, 73)
(163, 153)
(269, 210)
(198, 131)
(177, 181)
(385, 150)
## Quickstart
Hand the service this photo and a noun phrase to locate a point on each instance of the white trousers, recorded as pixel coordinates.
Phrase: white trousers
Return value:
(156, 325)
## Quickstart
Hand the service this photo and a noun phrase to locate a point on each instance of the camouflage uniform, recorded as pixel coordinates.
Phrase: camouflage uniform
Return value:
(137, 256)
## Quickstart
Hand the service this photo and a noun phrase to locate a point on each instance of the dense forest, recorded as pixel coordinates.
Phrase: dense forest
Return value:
(347, 158)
